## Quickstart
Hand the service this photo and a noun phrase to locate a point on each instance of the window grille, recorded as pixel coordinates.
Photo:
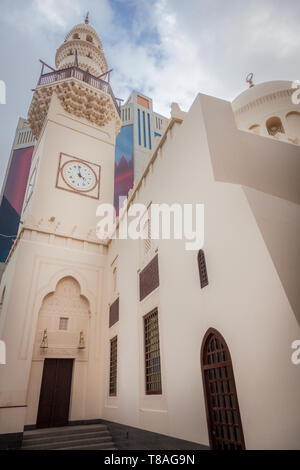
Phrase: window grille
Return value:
(63, 323)
(152, 354)
(113, 367)
(202, 269)
(115, 279)
(274, 125)
(147, 240)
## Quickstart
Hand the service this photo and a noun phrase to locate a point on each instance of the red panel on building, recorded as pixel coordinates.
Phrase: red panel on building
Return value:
(149, 278)
(143, 102)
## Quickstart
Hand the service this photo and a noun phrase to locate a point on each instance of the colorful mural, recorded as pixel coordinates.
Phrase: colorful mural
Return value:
(13, 198)
(123, 164)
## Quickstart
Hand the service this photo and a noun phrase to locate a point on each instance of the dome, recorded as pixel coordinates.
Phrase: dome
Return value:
(259, 91)
(267, 109)
(83, 39)
(84, 30)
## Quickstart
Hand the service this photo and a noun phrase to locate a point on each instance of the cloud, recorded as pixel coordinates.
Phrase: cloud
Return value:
(170, 69)
(54, 13)
(168, 49)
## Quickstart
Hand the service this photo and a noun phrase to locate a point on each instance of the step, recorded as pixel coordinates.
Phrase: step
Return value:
(66, 430)
(35, 440)
(97, 441)
(107, 446)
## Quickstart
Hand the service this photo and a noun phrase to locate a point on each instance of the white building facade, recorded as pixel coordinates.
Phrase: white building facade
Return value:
(143, 333)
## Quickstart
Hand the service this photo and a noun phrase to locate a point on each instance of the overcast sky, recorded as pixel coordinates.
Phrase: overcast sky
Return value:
(167, 49)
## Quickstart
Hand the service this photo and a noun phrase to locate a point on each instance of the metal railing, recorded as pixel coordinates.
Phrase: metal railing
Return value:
(86, 77)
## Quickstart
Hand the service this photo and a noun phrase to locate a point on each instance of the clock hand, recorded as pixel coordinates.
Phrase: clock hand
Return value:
(79, 174)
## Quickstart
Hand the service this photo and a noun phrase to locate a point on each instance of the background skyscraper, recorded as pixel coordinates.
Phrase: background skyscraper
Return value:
(14, 187)
(141, 126)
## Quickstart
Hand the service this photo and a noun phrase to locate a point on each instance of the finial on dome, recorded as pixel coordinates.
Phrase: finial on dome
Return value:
(87, 18)
(249, 80)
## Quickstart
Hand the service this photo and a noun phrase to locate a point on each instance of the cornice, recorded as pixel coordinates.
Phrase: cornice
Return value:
(78, 99)
(263, 100)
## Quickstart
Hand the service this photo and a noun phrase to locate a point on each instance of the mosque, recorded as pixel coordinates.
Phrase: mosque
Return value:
(144, 341)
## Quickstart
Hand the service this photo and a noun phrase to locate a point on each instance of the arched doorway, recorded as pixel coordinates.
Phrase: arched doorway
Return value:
(57, 364)
(222, 408)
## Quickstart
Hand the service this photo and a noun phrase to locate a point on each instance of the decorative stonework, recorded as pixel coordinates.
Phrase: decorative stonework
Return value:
(264, 99)
(90, 56)
(68, 302)
(76, 98)
(83, 29)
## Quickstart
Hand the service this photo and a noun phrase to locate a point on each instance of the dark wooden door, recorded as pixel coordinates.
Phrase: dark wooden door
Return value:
(222, 408)
(55, 393)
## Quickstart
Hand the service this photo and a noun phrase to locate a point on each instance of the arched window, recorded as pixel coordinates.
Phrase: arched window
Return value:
(89, 38)
(255, 128)
(274, 125)
(70, 52)
(202, 269)
(76, 36)
(222, 408)
(115, 279)
(293, 122)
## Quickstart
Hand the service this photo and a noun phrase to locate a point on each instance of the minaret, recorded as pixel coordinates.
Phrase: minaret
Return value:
(74, 115)
(55, 272)
(84, 41)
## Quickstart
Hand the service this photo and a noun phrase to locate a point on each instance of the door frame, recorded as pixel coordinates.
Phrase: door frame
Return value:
(54, 385)
(213, 331)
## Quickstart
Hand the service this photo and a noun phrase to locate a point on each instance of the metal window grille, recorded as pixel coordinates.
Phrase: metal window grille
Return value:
(152, 354)
(113, 367)
(115, 279)
(63, 323)
(202, 269)
(147, 241)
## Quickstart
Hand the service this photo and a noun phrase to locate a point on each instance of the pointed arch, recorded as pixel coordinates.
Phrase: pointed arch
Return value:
(202, 269)
(55, 279)
(293, 122)
(274, 126)
(221, 401)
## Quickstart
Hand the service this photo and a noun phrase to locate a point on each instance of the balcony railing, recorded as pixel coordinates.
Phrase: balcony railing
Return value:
(86, 77)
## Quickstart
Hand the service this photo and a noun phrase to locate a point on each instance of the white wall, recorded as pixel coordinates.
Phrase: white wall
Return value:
(245, 301)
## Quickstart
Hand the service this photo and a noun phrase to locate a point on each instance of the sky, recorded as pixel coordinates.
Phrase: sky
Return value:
(169, 50)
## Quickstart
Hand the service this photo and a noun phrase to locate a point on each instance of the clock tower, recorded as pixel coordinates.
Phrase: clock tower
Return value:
(75, 118)
(52, 312)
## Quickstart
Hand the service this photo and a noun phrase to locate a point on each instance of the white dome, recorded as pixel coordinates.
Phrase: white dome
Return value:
(267, 109)
(259, 91)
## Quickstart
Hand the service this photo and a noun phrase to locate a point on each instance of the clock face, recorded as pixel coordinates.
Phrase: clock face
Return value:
(79, 176)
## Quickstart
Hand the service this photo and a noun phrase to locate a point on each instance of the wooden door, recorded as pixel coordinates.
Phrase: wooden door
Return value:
(222, 408)
(55, 393)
